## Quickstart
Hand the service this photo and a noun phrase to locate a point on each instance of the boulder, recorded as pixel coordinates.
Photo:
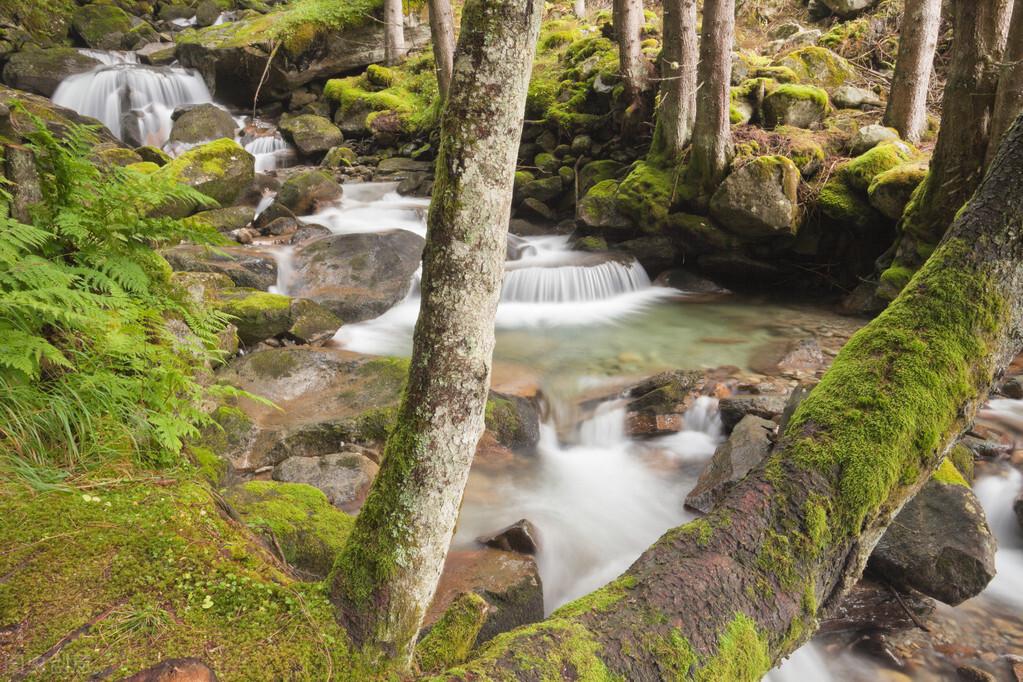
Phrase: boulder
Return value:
(599, 209)
(759, 199)
(848, 8)
(344, 477)
(310, 133)
(817, 65)
(514, 420)
(868, 137)
(42, 70)
(657, 404)
(748, 444)
(597, 171)
(221, 170)
(543, 190)
(734, 409)
(225, 219)
(519, 537)
(304, 192)
(890, 191)
(246, 267)
(206, 13)
(153, 155)
(401, 165)
(851, 97)
(339, 157)
(157, 54)
(940, 543)
(655, 254)
(862, 170)
(358, 276)
(259, 316)
(201, 123)
(102, 27)
(802, 106)
(57, 119)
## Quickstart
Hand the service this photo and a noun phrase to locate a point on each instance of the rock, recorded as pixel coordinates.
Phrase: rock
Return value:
(939, 544)
(339, 157)
(848, 8)
(226, 219)
(283, 226)
(295, 519)
(658, 403)
(358, 276)
(851, 97)
(246, 267)
(344, 477)
(890, 191)
(201, 123)
(508, 582)
(520, 537)
(102, 27)
(206, 12)
(117, 156)
(862, 170)
(260, 316)
(57, 119)
(598, 209)
(819, 66)
(543, 190)
(968, 673)
(305, 192)
(655, 254)
(802, 106)
(175, 670)
(597, 171)
(1012, 388)
(534, 209)
(748, 444)
(219, 169)
(153, 155)
(514, 420)
(42, 70)
(416, 185)
(308, 232)
(735, 408)
(868, 137)
(803, 356)
(311, 134)
(157, 54)
(401, 164)
(759, 199)
(688, 282)
(1017, 508)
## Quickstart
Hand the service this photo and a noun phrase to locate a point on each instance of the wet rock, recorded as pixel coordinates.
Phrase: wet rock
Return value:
(1017, 508)
(733, 409)
(339, 157)
(688, 282)
(520, 537)
(759, 199)
(508, 582)
(416, 185)
(968, 673)
(102, 27)
(226, 219)
(851, 97)
(748, 444)
(221, 170)
(655, 254)
(283, 226)
(658, 403)
(153, 155)
(868, 137)
(246, 267)
(311, 134)
(305, 192)
(939, 544)
(803, 356)
(157, 54)
(42, 70)
(358, 276)
(260, 316)
(344, 477)
(175, 670)
(848, 8)
(1012, 388)
(308, 232)
(891, 190)
(802, 106)
(514, 420)
(201, 123)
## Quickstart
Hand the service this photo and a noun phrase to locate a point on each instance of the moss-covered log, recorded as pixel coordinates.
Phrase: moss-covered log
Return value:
(727, 596)
(385, 578)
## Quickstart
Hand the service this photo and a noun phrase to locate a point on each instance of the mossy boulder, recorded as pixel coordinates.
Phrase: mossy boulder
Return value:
(819, 66)
(543, 190)
(157, 53)
(514, 420)
(862, 170)
(153, 155)
(648, 193)
(807, 154)
(225, 219)
(759, 200)
(221, 170)
(838, 201)
(868, 137)
(339, 157)
(697, 234)
(201, 123)
(891, 190)
(597, 171)
(259, 316)
(303, 192)
(42, 22)
(296, 517)
(246, 267)
(102, 27)
(313, 135)
(42, 70)
(599, 209)
(802, 106)
(117, 156)
(344, 477)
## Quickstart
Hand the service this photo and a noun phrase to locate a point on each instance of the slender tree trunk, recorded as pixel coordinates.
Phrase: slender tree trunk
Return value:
(918, 38)
(579, 9)
(727, 596)
(442, 32)
(394, 32)
(1009, 97)
(957, 165)
(677, 103)
(629, 33)
(712, 136)
(386, 575)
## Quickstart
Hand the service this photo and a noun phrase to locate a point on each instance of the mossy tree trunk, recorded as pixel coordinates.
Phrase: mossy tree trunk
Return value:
(442, 33)
(676, 107)
(629, 34)
(918, 38)
(727, 596)
(1009, 97)
(394, 32)
(712, 136)
(384, 579)
(957, 165)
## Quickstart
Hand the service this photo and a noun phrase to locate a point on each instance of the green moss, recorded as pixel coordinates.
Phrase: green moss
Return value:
(948, 474)
(810, 93)
(219, 169)
(862, 170)
(847, 37)
(590, 243)
(451, 638)
(210, 466)
(46, 21)
(894, 279)
(818, 65)
(648, 194)
(144, 167)
(598, 600)
(742, 654)
(842, 204)
(962, 457)
(381, 76)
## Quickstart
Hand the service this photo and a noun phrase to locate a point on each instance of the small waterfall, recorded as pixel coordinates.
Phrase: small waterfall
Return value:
(270, 151)
(110, 57)
(135, 102)
(996, 494)
(572, 283)
(606, 427)
(265, 201)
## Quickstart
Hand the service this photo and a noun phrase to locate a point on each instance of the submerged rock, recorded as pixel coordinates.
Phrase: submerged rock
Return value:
(344, 477)
(519, 537)
(749, 443)
(42, 70)
(759, 199)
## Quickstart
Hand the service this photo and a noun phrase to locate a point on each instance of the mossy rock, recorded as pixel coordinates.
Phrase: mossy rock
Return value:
(599, 208)
(304, 191)
(759, 200)
(45, 22)
(697, 234)
(117, 156)
(225, 219)
(298, 518)
(802, 106)
(201, 123)
(891, 190)
(862, 170)
(647, 194)
(219, 169)
(259, 316)
(843, 204)
(310, 133)
(819, 66)
(339, 157)
(144, 167)
(42, 70)
(543, 190)
(153, 155)
(403, 101)
(515, 421)
(102, 27)
(597, 171)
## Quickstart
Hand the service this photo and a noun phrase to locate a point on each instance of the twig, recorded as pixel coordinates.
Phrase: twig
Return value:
(905, 608)
(262, 79)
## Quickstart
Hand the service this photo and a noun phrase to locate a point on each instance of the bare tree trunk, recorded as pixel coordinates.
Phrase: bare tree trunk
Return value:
(712, 136)
(386, 575)
(1009, 97)
(442, 32)
(629, 33)
(957, 164)
(677, 106)
(394, 32)
(727, 596)
(918, 38)
(579, 9)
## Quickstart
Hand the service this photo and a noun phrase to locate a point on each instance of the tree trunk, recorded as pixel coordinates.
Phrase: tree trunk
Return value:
(918, 38)
(712, 136)
(386, 575)
(1009, 96)
(727, 596)
(957, 164)
(677, 103)
(394, 32)
(579, 9)
(629, 33)
(442, 32)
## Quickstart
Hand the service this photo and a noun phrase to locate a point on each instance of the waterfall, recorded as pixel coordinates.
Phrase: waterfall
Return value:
(571, 283)
(134, 102)
(110, 57)
(270, 151)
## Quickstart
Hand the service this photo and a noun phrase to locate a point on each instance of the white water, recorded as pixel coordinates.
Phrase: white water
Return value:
(270, 151)
(373, 207)
(572, 283)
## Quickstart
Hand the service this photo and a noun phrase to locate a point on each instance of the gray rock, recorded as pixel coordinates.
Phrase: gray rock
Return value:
(766, 406)
(206, 12)
(42, 70)
(868, 137)
(201, 123)
(102, 27)
(851, 97)
(358, 276)
(802, 106)
(749, 443)
(157, 54)
(344, 477)
(310, 134)
(939, 544)
(759, 200)
(848, 8)
(305, 192)
(535, 209)
(520, 537)
(246, 267)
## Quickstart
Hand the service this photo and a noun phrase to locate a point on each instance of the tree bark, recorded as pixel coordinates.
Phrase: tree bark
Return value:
(442, 32)
(386, 575)
(957, 164)
(579, 9)
(918, 38)
(712, 136)
(1009, 96)
(394, 32)
(727, 596)
(677, 103)
(629, 33)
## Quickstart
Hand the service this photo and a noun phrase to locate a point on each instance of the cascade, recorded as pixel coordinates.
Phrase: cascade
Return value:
(571, 283)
